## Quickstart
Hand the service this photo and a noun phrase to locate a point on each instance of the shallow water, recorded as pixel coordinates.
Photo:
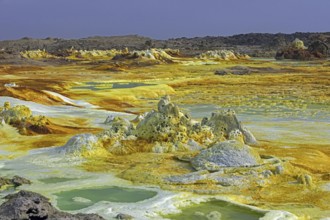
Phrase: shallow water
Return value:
(55, 180)
(203, 211)
(96, 86)
(96, 116)
(82, 198)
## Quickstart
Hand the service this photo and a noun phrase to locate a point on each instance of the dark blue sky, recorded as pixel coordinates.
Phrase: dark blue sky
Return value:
(159, 19)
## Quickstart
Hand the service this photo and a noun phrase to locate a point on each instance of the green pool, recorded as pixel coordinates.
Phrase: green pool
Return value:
(216, 210)
(82, 198)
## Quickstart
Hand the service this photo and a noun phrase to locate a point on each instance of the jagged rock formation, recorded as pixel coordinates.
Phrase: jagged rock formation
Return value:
(226, 123)
(166, 129)
(26, 205)
(166, 124)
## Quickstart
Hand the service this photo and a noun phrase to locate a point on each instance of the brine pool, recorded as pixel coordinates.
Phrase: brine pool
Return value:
(75, 190)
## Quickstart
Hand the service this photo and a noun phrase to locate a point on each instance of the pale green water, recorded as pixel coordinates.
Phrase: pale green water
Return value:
(55, 180)
(82, 198)
(228, 212)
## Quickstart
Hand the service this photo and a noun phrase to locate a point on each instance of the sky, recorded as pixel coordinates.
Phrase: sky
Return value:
(159, 19)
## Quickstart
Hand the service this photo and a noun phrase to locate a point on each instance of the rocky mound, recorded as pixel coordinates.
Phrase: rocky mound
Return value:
(80, 143)
(298, 51)
(21, 117)
(26, 205)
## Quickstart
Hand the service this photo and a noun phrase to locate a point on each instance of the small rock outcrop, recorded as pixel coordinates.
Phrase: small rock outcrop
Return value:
(26, 205)
(122, 216)
(226, 154)
(305, 179)
(14, 181)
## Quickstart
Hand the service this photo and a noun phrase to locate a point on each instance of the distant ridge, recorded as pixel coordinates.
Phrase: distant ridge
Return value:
(254, 44)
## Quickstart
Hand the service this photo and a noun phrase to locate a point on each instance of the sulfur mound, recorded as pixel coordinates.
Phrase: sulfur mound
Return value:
(158, 55)
(225, 122)
(21, 117)
(226, 154)
(167, 129)
(80, 143)
(166, 124)
(222, 55)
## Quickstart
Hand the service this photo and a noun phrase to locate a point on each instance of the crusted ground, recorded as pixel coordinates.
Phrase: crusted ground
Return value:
(277, 89)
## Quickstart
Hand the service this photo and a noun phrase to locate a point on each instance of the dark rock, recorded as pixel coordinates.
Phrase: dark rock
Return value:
(279, 170)
(319, 49)
(124, 216)
(18, 181)
(4, 181)
(293, 54)
(236, 70)
(26, 205)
